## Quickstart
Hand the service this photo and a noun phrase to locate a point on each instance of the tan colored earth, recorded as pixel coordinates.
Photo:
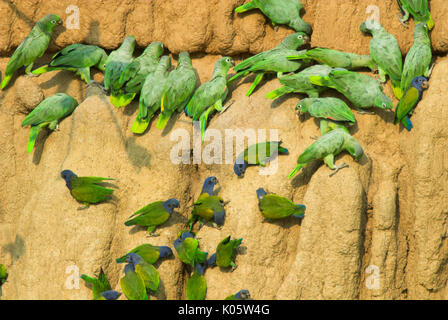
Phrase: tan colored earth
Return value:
(377, 230)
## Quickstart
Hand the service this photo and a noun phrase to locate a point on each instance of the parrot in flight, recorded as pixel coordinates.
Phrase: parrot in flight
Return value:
(134, 74)
(151, 254)
(300, 82)
(101, 288)
(153, 215)
(151, 95)
(177, 90)
(3, 274)
(32, 48)
(225, 254)
(241, 295)
(409, 102)
(87, 190)
(419, 10)
(188, 251)
(386, 53)
(274, 207)
(258, 154)
(211, 95)
(274, 60)
(78, 58)
(116, 63)
(285, 12)
(418, 59)
(328, 110)
(196, 286)
(48, 114)
(132, 284)
(336, 59)
(327, 147)
(147, 272)
(363, 91)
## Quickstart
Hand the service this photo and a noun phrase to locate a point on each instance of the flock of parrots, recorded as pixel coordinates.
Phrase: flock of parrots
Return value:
(168, 91)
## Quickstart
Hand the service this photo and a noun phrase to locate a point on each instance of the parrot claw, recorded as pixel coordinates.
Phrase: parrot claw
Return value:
(365, 112)
(216, 226)
(227, 107)
(337, 168)
(153, 235)
(31, 75)
(234, 268)
(83, 208)
(402, 22)
(314, 138)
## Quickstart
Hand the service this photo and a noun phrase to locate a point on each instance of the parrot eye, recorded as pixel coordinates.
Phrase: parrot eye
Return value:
(300, 37)
(53, 21)
(384, 105)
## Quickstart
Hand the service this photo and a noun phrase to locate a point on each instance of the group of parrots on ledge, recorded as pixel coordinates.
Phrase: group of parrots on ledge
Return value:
(160, 88)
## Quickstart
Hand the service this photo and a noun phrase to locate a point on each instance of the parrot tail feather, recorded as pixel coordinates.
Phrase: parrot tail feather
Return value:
(140, 125)
(283, 150)
(295, 171)
(300, 211)
(34, 132)
(238, 76)
(407, 123)
(256, 82)
(163, 121)
(129, 223)
(297, 56)
(6, 81)
(248, 6)
(279, 92)
(162, 103)
(396, 86)
(115, 100)
(43, 70)
(430, 22)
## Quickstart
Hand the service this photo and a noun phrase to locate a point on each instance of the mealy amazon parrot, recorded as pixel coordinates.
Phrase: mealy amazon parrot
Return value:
(32, 48)
(48, 114)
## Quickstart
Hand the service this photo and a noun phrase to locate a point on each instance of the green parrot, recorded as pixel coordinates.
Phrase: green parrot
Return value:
(101, 288)
(87, 190)
(258, 154)
(48, 114)
(225, 254)
(300, 82)
(78, 58)
(241, 295)
(132, 284)
(188, 251)
(336, 59)
(151, 95)
(208, 208)
(133, 76)
(363, 91)
(3, 274)
(177, 90)
(272, 61)
(327, 147)
(280, 12)
(418, 59)
(409, 102)
(274, 207)
(332, 109)
(386, 53)
(116, 63)
(329, 125)
(32, 48)
(151, 254)
(211, 95)
(419, 10)
(153, 215)
(196, 286)
(146, 271)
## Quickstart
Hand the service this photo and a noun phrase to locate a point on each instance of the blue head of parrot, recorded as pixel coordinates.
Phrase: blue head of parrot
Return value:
(181, 239)
(111, 295)
(200, 267)
(240, 168)
(209, 186)
(212, 261)
(261, 193)
(170, 205)
(243, 295)
(134, 259)
(420, 83)
(128, 268)
(219, 217)
(165, 252)
(68, 175)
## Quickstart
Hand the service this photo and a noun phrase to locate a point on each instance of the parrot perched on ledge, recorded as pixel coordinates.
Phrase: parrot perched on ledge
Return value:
(280, 12)
(78, 58)
(32, 48)
(101, 288)
(274, 207)
(419, 9)
(151, 254)
(225, 254)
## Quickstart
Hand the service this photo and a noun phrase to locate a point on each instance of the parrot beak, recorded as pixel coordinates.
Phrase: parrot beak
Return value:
(425, 85)
(60, 22)
(306, 40)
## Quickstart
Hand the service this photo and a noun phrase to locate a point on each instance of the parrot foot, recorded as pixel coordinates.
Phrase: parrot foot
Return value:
(365, 112)
(31, 75)
(224, 109)
(216, 226)
(153, 235)
(337, 168)
(234, 267)
(428, 75)
(97, 84)
(83, 208)
(402, 22)
(314, 138)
